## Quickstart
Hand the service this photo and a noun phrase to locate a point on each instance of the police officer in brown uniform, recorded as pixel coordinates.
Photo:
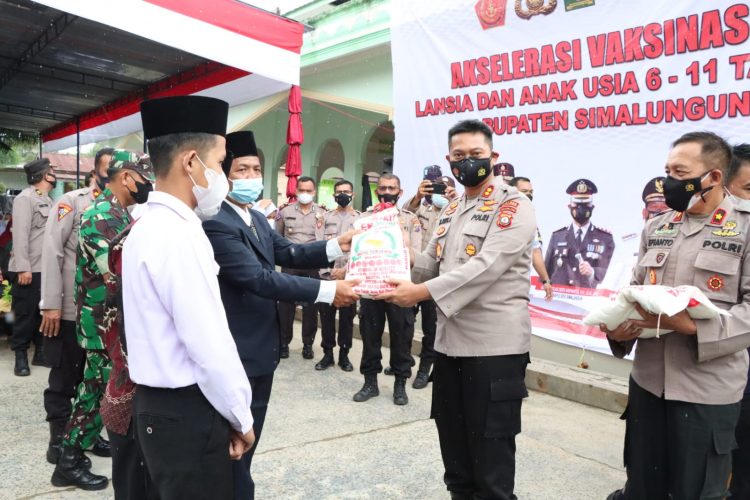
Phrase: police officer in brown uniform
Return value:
(30, 212)
(372, 313)
(298, 222)
(476, 269)
(64, 356)
(427, 206)
(335, 223)
(686, 386)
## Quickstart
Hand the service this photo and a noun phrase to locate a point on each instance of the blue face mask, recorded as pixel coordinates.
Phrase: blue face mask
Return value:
(439, 200)
(246, 190)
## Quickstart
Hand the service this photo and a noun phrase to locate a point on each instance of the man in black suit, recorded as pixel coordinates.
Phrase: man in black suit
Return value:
(247, 251)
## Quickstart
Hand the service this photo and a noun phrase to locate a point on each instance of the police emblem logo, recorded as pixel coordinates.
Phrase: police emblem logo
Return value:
(471, 250)
(652, 276)
(715, 283)
(582, 188)
(482, 172)
(690, 187)
(504, 220)
(534, 8)
(728, 230)
(491, 13)
(660, 257)
(63, 210)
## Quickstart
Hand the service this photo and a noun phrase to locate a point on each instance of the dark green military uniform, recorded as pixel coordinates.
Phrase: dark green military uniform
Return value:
(104, 220)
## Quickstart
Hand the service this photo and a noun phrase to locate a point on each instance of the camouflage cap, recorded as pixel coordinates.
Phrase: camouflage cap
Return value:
(128, 160)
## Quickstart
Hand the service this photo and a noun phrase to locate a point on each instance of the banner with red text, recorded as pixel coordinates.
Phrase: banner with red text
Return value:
(578, 93)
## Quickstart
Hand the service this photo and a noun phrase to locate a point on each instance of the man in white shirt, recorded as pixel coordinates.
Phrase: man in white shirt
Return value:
(192, 402)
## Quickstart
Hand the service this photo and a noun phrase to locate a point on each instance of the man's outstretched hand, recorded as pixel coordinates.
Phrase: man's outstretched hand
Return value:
(406, 294)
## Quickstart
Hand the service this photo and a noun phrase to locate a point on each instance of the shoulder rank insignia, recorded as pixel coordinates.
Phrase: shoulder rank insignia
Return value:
(440, 231)
(717, 218)
(63, 210)
(728, 230)
(667, 229)
(509, 206)
(677, 217)
(488, 192)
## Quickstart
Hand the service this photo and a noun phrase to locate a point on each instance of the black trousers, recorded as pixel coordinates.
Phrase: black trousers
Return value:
(184, 442)
(372, 314)
(244, 486)
(675, 449)
(428, 309)
(66, 360)
(26, 313)
(309, 313)
(740, 487)
(328, 325)
(476, 404)
(129, 477)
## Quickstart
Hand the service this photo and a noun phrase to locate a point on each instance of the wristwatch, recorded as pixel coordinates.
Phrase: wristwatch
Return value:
(545, 282)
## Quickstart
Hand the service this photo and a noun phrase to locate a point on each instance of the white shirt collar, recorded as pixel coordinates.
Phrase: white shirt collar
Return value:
(242, 212)
(584, 229)
(174, 203)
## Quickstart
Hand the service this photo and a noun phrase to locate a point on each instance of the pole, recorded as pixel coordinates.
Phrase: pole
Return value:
(78, 152)
(40, 145)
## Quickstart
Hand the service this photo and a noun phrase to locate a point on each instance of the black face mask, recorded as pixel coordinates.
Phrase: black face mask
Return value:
(582, 213)
(388, 198)
(471, 172)
(678, 193)
(52, 182)
(102, 182)
(530, 197)
(343, 199)
(140, 195)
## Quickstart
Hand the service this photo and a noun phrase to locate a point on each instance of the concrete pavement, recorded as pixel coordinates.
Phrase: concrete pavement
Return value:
(318, 444)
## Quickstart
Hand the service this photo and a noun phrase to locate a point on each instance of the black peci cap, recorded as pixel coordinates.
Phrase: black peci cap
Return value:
(239, 144)
(184, 114)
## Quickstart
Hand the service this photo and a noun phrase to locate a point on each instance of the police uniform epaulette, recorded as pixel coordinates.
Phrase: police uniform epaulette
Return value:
(564, 228)
(283, 206)
(603, 230)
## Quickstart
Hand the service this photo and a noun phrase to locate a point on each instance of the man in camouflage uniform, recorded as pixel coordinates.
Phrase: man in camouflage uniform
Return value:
(128, 182)
(64, 356)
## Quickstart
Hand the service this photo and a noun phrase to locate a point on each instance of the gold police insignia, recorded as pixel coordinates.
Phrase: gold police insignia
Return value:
(534, 7)
(659, 185)
(582, 188)
(728, 230)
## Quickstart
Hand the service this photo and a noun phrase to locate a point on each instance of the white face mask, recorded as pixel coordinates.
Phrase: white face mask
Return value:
(740, 203)
(209, 198)
(305, 198)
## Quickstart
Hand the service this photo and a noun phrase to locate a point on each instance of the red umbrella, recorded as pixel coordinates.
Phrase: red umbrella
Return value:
(295, 135)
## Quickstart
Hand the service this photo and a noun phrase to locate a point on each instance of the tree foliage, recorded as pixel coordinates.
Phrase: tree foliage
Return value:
(17, 147)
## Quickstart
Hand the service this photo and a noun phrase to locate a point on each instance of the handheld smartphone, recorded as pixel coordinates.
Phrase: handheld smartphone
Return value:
(438, 188)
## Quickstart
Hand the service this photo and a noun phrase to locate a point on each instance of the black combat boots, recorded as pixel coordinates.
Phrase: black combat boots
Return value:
(369, 390)
(39, 359)
(70, 472)
(101, 448)
(307, 351)
(22, 364)
(344, 362)
(423, 375)
(399, 391)
(54, 449)
(327, 360)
